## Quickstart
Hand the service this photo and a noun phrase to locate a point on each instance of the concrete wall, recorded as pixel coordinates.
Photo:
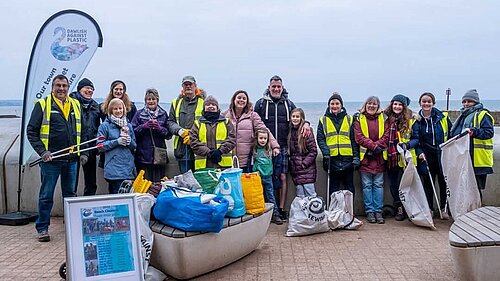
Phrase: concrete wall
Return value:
(9, 153)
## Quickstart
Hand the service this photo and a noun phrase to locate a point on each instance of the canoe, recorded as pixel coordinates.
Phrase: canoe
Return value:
(185, 255)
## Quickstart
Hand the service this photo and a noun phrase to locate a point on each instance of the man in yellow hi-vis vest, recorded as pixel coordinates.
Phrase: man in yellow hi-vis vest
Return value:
(184, 110)
(55, 124)
(479, 121)
(212, 138)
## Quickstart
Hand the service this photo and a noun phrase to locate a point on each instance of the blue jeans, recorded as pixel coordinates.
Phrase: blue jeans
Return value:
(373, 191)
(267, 184)
(49, 173)
(306, 190)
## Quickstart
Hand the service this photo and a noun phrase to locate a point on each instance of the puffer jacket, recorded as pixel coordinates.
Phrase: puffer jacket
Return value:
(372, 163)
(119, 163)
(245, 128)
(276, 115)
(302, 165)
(144, 151)
(338, 163)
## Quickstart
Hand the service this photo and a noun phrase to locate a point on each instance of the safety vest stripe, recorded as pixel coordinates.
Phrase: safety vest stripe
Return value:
(197, 114)
(483, 146)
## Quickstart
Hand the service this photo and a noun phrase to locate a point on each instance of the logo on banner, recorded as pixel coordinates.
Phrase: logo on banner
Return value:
(72, 51)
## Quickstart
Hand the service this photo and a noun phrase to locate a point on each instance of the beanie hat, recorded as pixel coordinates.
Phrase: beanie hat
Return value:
(83, 83)
(152, 92)
(471, 95)
(402, 99)
(211, 100)
(336, 96)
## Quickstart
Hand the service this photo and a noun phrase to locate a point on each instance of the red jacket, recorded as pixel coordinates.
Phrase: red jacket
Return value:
(303, 165)
(372, 163)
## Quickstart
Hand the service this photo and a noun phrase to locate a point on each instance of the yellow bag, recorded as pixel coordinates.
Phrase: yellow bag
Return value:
(253, 193)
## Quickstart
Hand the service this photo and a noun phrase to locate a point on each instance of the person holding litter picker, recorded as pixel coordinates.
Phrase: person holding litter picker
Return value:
(55, 124)
(432, 129)
(336, 140)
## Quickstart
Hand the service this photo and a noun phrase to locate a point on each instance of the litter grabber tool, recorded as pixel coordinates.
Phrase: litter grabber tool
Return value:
(69, 153)
(69, 148)
(434, 188)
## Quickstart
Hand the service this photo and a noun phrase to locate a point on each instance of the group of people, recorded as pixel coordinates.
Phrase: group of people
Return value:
(272, 138)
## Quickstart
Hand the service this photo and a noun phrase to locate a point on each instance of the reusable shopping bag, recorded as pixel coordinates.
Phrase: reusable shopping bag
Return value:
(229, 187)
(145, 202)
(253, 193)
(307, 216)
(463, 194)
(340, 212)
(412, 195)
(207, 178)
(188, 213)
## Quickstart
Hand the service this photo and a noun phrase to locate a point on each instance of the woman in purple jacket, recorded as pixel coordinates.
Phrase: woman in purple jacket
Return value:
(246, 122)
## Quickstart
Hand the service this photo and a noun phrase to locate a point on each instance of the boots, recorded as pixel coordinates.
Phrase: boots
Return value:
(401, 214)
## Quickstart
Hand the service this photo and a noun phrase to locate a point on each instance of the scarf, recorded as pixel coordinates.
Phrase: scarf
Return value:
(392, 151)
(152, 113)
(465, 119)
(120, 122)
(212, 117)
(83, 101)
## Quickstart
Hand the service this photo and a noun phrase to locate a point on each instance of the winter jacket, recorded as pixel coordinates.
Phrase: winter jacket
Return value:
(372, 163)
(91, 116)
(62, 134)
(245, 128)
(430, 132)
(302, 165)
(144, 152)
(202, 149)
(119, 163)
(187, 110)
(338, 163)
(276, 115)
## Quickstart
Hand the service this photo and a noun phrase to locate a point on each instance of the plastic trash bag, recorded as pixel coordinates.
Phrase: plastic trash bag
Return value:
(229, 187)
(187, 180)
(145, 202)
(307, 216)
(340, 214)
(412, 195)
(253, 193)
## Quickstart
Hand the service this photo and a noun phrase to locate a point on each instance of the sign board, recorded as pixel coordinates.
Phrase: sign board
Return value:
(102, 238)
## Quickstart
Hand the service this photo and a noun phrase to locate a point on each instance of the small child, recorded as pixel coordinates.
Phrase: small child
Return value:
(118, 146)
(303, 152)
(262, 159)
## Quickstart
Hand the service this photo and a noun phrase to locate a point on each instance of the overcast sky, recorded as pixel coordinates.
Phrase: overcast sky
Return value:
(358, 48)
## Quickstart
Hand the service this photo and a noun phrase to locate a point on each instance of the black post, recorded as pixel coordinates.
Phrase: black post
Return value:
(448, 94)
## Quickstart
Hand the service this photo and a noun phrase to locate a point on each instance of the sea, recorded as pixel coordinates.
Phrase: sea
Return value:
(313, 110)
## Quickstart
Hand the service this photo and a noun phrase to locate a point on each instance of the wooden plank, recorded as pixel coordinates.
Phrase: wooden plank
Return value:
(246, 217)
(489, 214)
(234, 221)
(484, 234)
(226, 222)
(177, 233)
(493, 226)
(493, 209)
(456, 241)
(167, 231)
(157, 227)
(189, 233)
(471, 241)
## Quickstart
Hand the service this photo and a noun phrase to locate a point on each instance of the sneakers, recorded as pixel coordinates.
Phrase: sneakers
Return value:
(400, 215)
(379, 218)
(283, 214)
(276, 219)
(370, 217)
(43, 236)
(445, 214)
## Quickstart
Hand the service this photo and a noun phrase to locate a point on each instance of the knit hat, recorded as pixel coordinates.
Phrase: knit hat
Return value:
(83, 83)
(336, 96)
(189, 79)
(152, 92)
(210, 100)
(471, 95)
(402, 99)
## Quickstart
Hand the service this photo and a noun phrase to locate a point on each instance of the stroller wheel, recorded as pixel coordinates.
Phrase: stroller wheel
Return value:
(388, 211)
(62, 271)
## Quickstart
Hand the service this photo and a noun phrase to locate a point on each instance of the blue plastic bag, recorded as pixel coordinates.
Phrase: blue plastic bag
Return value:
(188, 213)
(229, 187)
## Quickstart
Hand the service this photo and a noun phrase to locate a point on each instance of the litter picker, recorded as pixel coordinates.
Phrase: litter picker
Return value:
(434, 189)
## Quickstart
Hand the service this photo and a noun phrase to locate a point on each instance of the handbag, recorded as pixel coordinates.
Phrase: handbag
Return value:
(159, 153)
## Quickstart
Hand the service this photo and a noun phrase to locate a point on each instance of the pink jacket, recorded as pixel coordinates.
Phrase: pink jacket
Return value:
(245, 128)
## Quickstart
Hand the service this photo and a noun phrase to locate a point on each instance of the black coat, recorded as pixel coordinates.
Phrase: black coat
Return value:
(91, 116)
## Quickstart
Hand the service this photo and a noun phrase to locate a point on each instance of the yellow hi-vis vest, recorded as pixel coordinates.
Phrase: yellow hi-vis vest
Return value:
(47, 108)
(405, 137)
(364, 129)
(200, 162)
(197, 114)
(444, 125)
(339, 143)
(483, 149)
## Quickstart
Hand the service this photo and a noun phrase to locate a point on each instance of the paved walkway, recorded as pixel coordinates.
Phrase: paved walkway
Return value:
(394, 251)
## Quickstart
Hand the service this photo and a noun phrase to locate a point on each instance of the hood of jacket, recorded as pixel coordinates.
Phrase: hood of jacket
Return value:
(199, 92)
(284, 95)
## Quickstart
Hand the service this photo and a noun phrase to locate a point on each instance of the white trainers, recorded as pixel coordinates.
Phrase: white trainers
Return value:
(445, 215)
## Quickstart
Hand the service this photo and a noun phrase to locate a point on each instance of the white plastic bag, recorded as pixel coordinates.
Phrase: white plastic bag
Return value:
(144, 203)
(340, 212)
(463, 194)
(412, 195)
(307, 216)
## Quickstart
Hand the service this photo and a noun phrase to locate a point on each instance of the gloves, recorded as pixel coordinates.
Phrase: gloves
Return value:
(186, 140)
(183, 133)
(471, 132)
(129, 139)
(377, 150)
(153, 124)
(83, 159)
(46, 156)
(326, 163)
(403, 145)
(215, 155)
(355, 164)
(122, 141)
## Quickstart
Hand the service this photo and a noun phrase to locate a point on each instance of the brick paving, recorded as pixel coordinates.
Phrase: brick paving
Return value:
(393, 251)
